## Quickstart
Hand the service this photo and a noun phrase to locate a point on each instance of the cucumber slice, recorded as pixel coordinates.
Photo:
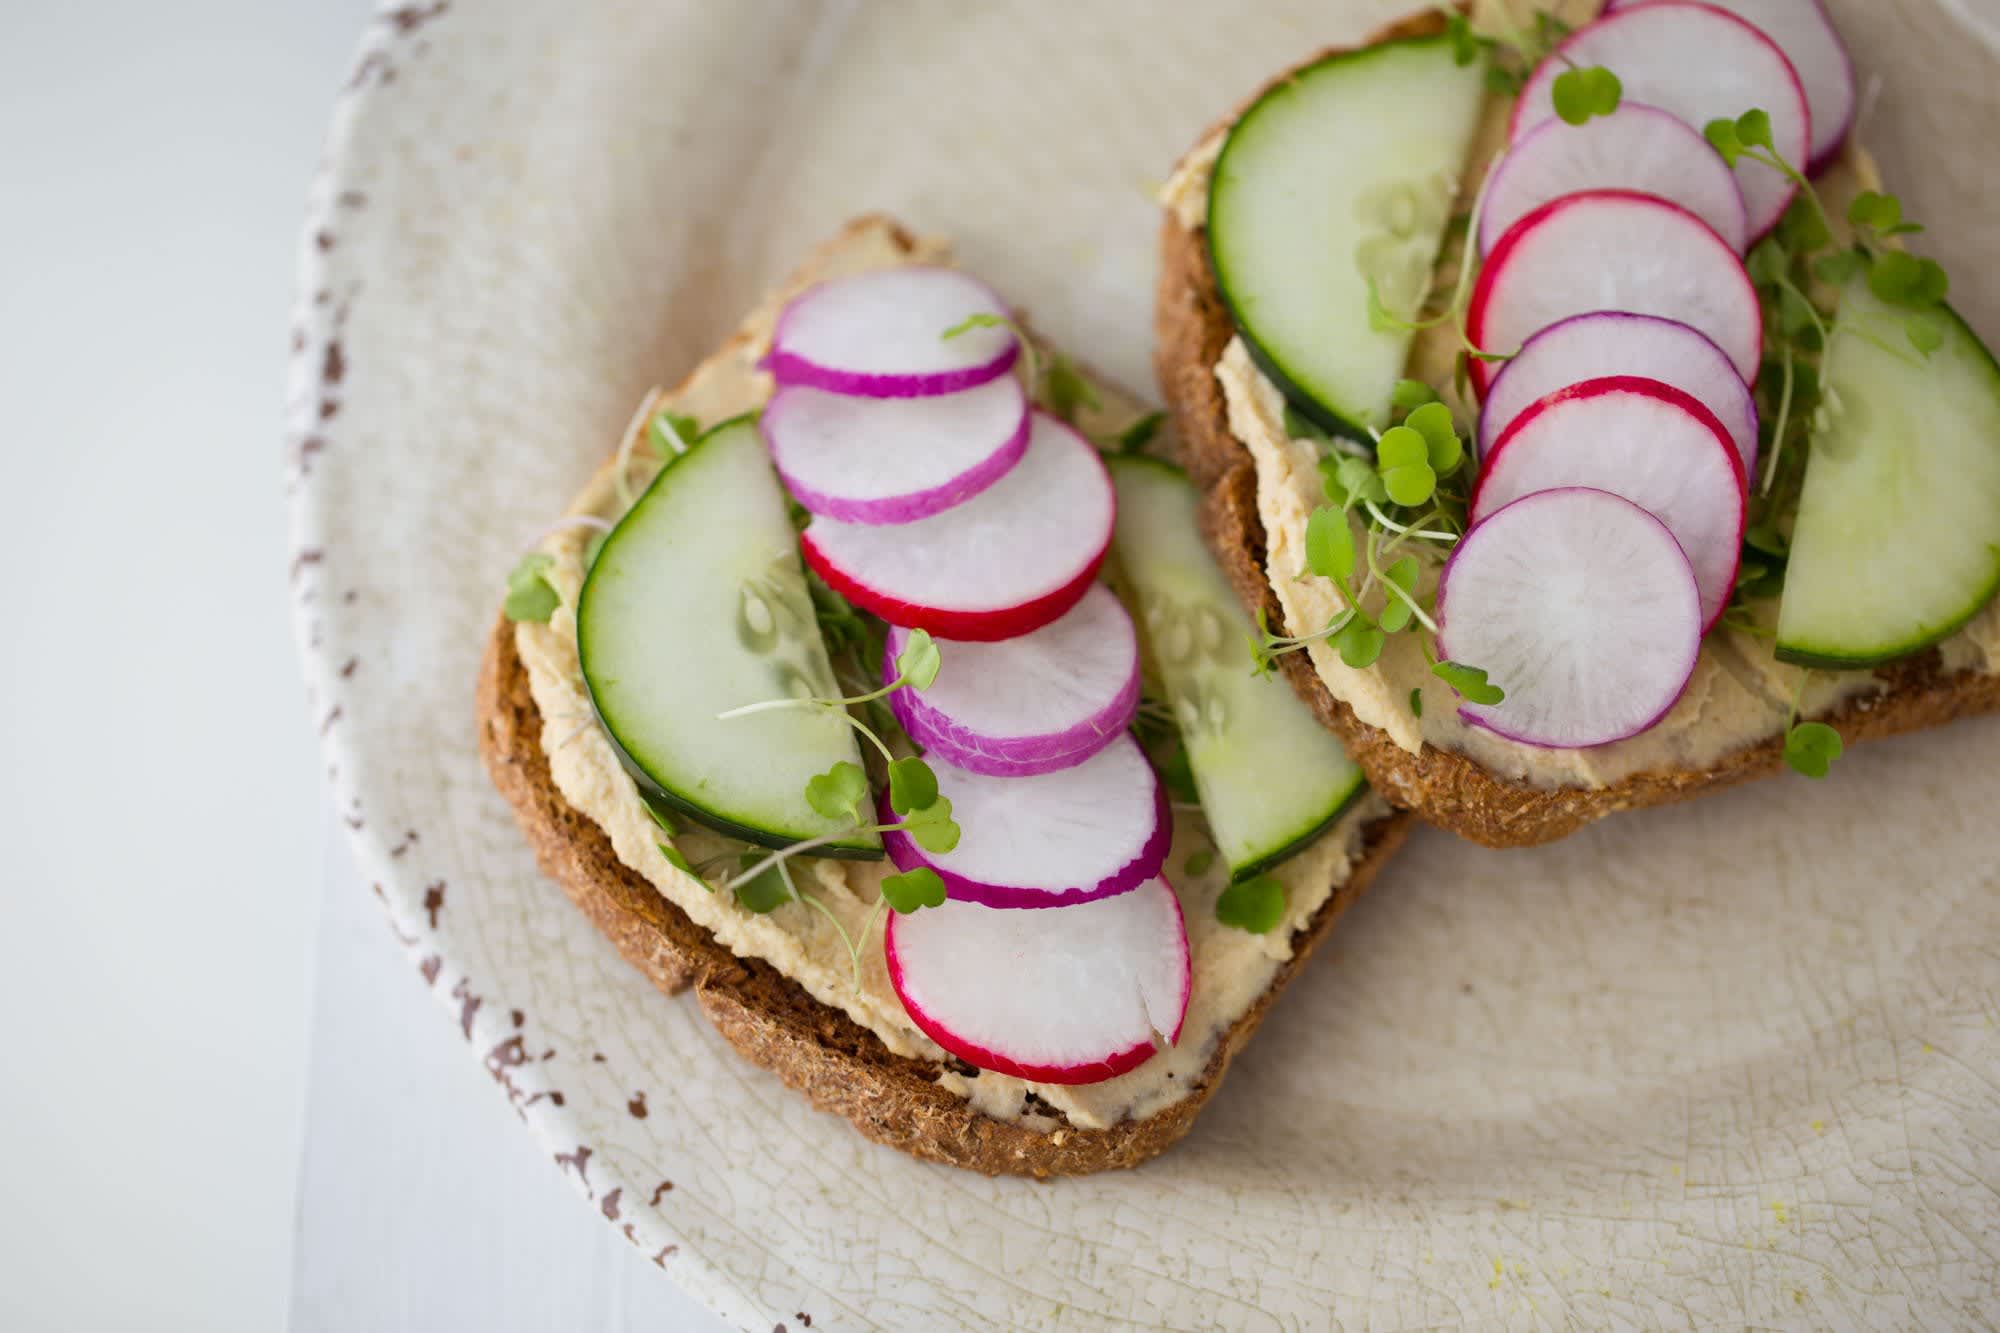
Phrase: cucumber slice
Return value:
(698, 604)
(1271, 778)
(1897, 542)
(1346, 168)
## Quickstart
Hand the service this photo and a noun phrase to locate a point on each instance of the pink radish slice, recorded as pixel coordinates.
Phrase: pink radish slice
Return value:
(1699, 63)
(1645, 441)
(1807, 36)
(1074, 996)
(1007, 561)
(1634, 148)
(1094, 830)
(1608, 342)
(1045, 700)
(1613, 250)
(880, 334)
(894, 460)
(1581, 606)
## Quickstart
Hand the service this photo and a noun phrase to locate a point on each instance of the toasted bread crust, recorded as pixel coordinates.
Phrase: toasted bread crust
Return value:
(1191, 328)
(819, 1051)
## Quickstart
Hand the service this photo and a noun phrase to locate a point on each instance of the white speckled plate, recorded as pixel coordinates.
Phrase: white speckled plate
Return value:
(1731, 1063)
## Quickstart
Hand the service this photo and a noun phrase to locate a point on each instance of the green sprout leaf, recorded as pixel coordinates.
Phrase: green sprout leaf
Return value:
(766, 892)
(1329, 543)
(1255, 905)
(1199, 862)
(1811, 748)
(1721, 135)
(1753, 129)
(1409, 395)
(1582, 93)
(1923, 333)
(1902, 279)
(914, 890)
(1803, 228)
(932, 826)
(1417, 702)
(1836, 269)
(838, 792)
(1403, 456)
(919, 661)
(1066, 390)
(661, 818)
(674, 858)
(1433, 422)
(1768, 262)
(530, 595)
(1396, 612)
(1135, 437)
(1349, 481)
(1465, 43)
(1470, 683)
(912, 785)
(982, 320)
(1359, 643)
(1876, 211)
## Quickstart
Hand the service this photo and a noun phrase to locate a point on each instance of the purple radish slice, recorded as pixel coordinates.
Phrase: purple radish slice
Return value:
(1035, 703)
(1007, 561)
(1699, 63)
(1644, 441)
(1611, 342)
(1807, 36)
(880, 334)
(1094, 830)
(1613, 250)
(1075, 996)
(1636, 147)
(894, 460)
(1582, 607)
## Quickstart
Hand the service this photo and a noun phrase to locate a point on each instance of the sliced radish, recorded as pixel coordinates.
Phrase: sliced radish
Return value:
(1581, 606)
(1042, 701)
(881, 334)
(1093, 830)
(1806, 35)
(1640, 439)
(1075, 996)
(1699, 63)
(1636, 147)
(894, 460)
(1613, 250)
(1606, 342)
(1009, 560)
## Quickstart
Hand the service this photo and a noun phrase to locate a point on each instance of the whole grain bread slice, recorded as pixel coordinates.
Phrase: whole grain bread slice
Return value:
(1191, 328)
(770, 1019)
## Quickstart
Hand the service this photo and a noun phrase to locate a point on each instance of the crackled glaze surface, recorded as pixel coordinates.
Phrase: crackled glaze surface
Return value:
(1730, 1063)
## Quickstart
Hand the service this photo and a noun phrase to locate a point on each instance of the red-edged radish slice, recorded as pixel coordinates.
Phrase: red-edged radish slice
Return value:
(1640, 439)
(1032, 704)
(1636, 147)
(1075, 996)
(1581, 606)
(894, 460)
(1610, 342)
(1613, 250)
(1807, 36)
(1700, 63)
(881, 334)
(1007, 561)
(1094, 830)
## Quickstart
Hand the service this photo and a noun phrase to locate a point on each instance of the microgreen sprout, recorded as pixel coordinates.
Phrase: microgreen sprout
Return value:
(916, 667)
(671, 433)
(530, 595)
(1810, 747)
(1256, 905)
(1582, 92)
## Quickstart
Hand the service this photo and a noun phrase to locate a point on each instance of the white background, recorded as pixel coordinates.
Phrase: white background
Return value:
(191, 975)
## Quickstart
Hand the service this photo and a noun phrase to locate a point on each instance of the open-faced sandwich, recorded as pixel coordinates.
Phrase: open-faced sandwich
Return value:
(881, 690)
(1568, 409)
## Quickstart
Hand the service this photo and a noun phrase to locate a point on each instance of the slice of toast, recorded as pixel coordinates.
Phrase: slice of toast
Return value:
(770, 1019)
(1192, 327)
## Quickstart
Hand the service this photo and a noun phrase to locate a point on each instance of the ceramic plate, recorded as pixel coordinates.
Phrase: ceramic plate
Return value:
(1734, 1062)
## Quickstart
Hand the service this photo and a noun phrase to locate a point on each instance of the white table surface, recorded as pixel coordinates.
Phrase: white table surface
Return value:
(227, 1098)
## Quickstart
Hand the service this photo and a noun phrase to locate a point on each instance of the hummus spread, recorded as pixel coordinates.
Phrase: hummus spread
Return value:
(1231, 968)
(1739, 695)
